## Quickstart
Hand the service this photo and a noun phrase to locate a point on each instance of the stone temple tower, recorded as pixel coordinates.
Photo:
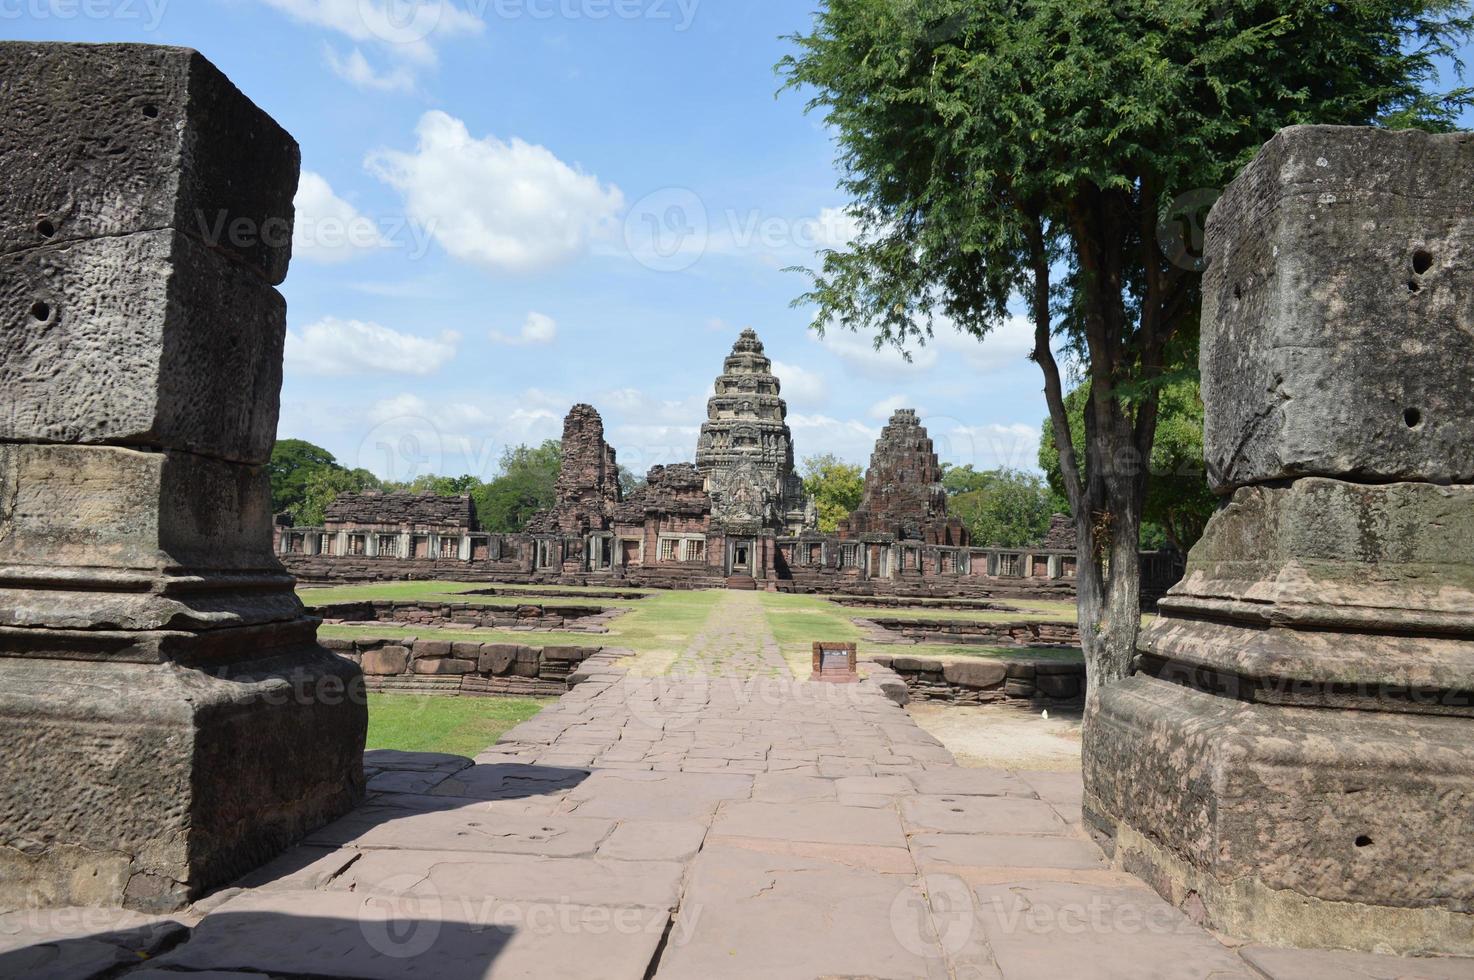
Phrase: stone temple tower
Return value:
(746, 448)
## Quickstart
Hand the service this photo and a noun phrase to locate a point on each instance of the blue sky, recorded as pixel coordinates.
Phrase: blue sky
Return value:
(509, 206)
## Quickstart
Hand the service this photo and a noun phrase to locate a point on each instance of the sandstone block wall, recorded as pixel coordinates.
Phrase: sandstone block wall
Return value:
(466, 615)
(469, 668)
(983, 681)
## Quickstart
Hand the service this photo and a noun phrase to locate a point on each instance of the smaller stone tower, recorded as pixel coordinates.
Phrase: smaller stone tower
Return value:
(904, 496)
(588, 481)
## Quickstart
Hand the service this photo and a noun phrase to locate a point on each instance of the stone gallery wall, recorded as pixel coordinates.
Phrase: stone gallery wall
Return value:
(413, 666)
(468, 615)
(987, 681)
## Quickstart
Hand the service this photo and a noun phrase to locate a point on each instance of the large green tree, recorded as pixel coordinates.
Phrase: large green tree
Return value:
(529, 475)
(294, 464)
(1003, 152)
(1005, 508)
(835, 487)
(1178, 502)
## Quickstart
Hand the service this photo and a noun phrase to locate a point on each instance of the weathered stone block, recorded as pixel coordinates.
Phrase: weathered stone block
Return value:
(567, 654)
(148, 339)
(1058, 685)
(1338, 320)
(980, 674)
(386, 661)
(498, 658)
(528, 662)
(432, 650)
(1326, 552)
(106, 507)
(1296, 826)
(466, 651)
(100, 141)
(112, 785)
(433, 667)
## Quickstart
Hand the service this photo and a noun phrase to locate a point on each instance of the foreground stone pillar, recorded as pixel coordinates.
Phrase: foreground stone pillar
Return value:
(168, 718)
(1294, 759)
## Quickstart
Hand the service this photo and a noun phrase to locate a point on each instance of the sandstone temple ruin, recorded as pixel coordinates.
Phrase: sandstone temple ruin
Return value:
(737, 517)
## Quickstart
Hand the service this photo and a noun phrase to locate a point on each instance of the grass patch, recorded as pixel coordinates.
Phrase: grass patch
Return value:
(459, 726)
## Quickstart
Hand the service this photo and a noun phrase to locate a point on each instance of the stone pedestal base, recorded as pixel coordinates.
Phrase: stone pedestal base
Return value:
(143, 785)
(1289, 825)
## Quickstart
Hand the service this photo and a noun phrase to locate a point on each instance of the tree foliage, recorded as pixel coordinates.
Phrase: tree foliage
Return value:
(526, 485)
(306, 478)
(1003, 508)
(835, 486)
(1006, 150)
(1178, 501)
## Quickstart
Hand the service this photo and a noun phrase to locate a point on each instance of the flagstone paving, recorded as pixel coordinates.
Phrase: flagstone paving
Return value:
(723, 820)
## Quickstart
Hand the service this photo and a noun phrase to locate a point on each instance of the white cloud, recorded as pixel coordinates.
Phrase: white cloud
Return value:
(1013, 446)
(849, 439)
(882, 410)
(859, 354)
(384, 22)
(329, 229)
(340, 348)
(355, 69)
(800, 385)
(538, 330)
(510, 207)
(1005, 348)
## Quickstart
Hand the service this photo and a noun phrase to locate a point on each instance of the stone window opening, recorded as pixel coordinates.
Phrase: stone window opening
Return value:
(849, 556)
(816, 554)
(668, 549)
(1008, 566)
(357, 544)
(694, 550)
(450, 548)
(388, 546)
(327, 544)
(949, 563)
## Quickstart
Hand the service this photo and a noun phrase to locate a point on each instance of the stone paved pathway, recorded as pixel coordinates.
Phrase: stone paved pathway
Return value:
(721, 821)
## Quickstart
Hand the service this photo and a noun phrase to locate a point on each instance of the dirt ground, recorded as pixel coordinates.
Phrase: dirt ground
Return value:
(1004, 737)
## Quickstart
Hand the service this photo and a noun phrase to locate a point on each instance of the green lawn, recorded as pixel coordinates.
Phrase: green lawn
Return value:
(459, 726)
(657, 629)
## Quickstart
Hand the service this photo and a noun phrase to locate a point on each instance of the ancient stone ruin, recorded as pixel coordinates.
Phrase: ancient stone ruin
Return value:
(736, 518)
(1293, 761)
(169, 719)
(904, 498)
(746, 448)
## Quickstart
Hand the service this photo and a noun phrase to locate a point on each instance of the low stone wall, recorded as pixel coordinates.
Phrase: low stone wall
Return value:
(414, 666)
(967, 631)
(468, 615)
(988, 681)
(901, 602)
(624, 594)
